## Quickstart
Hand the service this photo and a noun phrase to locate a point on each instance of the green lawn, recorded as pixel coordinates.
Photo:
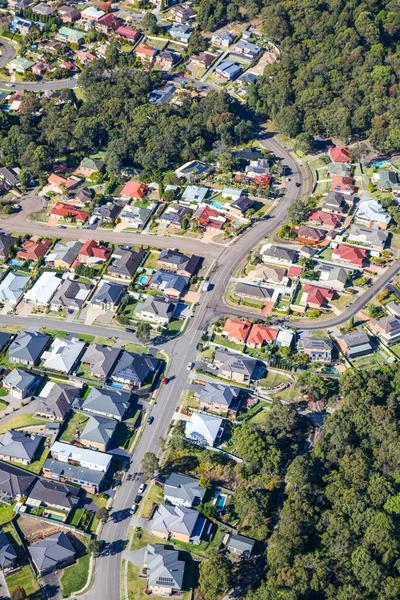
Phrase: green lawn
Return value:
(272, 380)
(152, 260)
(3, 392)
(25, 578)
(396, 349)
(154, 496)
(55, 332)
(137, 585)
(6, 512)
(174, 325)
(76, 515)
(77, 421)
(129, 308)
(371, 361)
(15, 540)
(74, 577)
(20, 421)
(138, 348)
(218, 339)
(36, 465)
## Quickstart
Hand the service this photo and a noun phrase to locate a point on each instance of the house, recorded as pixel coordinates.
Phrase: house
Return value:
(233, 193)
(317, 349)
(350, 254)
(89, 459)
(108, 295)
(107, 402)
(20, 65)
(182, 490)
(56, 495)
(228, 70)
(219, 398)
(387, 181)
(178, 523)
(89, 479)
(372, 214)
(278, 254)
(8, 556)
(203, 60)
(89, 166)
(182, 13)
(167, 59)
(100, 360)
(133, 370)
(69, 14)
(85, 57)
(107, 23)
(97, 433)
(375, 238)
(163, 95)
(92, 253)
(92, 14)
(43, 9)
(64, 254)
(156, 310)
(247, 48)
(257, 168)
(343, 185)
(28, 347)
(339, 154)
(203, 429)
(343, 169)
(63, 185)
(180, 32)
(387, 329)
(12, 288)
(14, 482)
(260, 335)
(239, 545)
(136, 217)
(268, 274)
(236, 330)
(284, 338)
(163, 570)
(316, 296)
(240, 206)
(63, 355)
(44, 289)
(70, 295)
(393, 308)
(127, 33)
(10, 177)
(234, 367)
(222, 39)
(335, 202)
(255, 292)
(195, 194)
(333, 276)
(146, 53)
(106, 213)
(354, 344)
(52, 552)
(40, 68)
(21, 384)
(179, 263)
(33, 251)
(72, 36)
(209, 218)
(171, 284)
(192, 170)
(55, 400)
(176, 215)
(325, 219)
(309, 235)
(67, 211)
(16, 446)
(134, 189)
(6, 243)
(125, 263)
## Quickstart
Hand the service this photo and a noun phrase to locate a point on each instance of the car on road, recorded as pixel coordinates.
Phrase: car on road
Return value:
(129, 330)
(165, 380)
(298, 184)
(190, 366)
(213, 367)
(287, 179)
(61, 227)
(142, 487)
(150, 420)
(10, 85)
(133, 509)
(138, 498)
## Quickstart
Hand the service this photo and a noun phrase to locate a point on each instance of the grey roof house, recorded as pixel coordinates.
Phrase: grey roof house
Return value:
(6, 243)
(171, 284)
(133, 370)
(125, 263)
(178, 522)
(9, 176)
(70, 294)
(52, 552)
(64, 253)
(16, 446)
(163, 570)
(53, 494)
(8, 556)
(89, 479)
(239, 544)
(179, 263)
(107, 213)
(21, 384)
(317, 349)
(55, 400)
(28, 347)
(182, 490)
(14, 482)
(98, 433)
(108, 295)
(234, 367)
(156, 310)
(100, 360)
(63, 355)
(218, 398)
(355, 344)
(107, 402)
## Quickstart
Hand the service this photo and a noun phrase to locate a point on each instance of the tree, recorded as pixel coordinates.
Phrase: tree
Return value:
(304, 143)
(150, 465)
(149, 23)
(103, 514)
(215, 577)
(94, 547)
(316, 387)
(18, 594)
(24, 179)
(298, 212)
(143, 331)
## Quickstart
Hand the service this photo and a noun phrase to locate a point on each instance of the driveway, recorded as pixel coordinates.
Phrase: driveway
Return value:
(136, 557)
(51, 586)
(4, 594)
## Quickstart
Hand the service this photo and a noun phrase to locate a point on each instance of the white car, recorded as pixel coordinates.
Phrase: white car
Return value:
(10, 85)
(133, 509)
(142, 487)
(190, 366)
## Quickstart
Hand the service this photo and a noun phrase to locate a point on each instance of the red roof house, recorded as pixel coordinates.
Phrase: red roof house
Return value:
(294, 271)
(62, 210)
(60, 183)
(236, 330)
(350, 254)
(93, 252)
(343, 185)
(127, 33)
(260, 335)
(33, 250)
(309, 235)
(146, 53)
(328, 220)
(134, 189)
(316, 296)
(107, 23)
(339, 154)
(209, 218)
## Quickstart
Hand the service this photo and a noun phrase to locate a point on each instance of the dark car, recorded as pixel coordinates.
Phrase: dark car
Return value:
(150, 420)
(129, 330)
(138, 498)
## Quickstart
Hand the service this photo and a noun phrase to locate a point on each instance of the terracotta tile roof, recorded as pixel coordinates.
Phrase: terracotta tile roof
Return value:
(317, 295)
(92, 248)
(235, 328)
(261, 334)
(134, 189)
(339, 154)
(324, 218)
(33, 250)
(351, 254)
(67, 210)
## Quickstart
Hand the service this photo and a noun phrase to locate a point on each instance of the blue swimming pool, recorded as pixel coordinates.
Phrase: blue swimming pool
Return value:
(15, 262)
(216, 204)
(119, 386)
(143, 279)
(382, 163)
(220, 501)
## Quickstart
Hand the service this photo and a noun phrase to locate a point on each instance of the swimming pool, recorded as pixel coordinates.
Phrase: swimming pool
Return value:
(216, 204)
(382, 163)
(119, 386)
(220, 501)
(143, 279)
(15, 262)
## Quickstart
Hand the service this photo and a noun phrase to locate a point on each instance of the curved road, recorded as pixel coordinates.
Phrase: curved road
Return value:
(7, 53)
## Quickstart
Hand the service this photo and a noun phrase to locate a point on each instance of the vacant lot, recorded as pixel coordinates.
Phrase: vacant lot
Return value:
(34, 530)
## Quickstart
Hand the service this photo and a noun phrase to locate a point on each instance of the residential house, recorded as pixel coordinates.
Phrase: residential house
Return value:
(91, 14)
(85, 57)
(333, 276)
(63, 355)
(209, 218)
(98, 433)
(222, 39)
(240, 206)
(89, 479)
(21, 384)
(12, 288)
(203, 429)
(335, 202)
(17, 446)
(70, 295)
(136, 217)
(6, 243)
(315, 296)
(180, 32)
(52, 552)
(92, 253)
(228, 70)
(67, 211)
(20, 64)
(163, 570)
(125, 263)
(236, 330)
(268, 274)
(89, 459)
(64, 254)
(183, 13)
(9, 177)
(100, 360)
(107, 213)
(14, 482)
(44, 289)
(63, 185)
(239, 545)
(40, 68)
(127, 33)
(28, 347)
(309, 235)
(182, 490)
(372, 214)
(107, 23)
(146, 53)
(343, 185)
(173, 260)
(325, 219)
(255, 292)
(164, 94)
(203, 60)
(351, 255)
(193, 170)
(69, 14)
(260, 335)
(219, 398)
(316, 349)
(234, 367)
(43, 9)
(55, 400)
(33, 251)
(387, 329)
(134, 370)
(339, 154)
(354, 344)
(108, 295)
(178, 523)
(159, 311)
(171, 284)
(53, 495)
(284, 338)
(343, 169)
(393, 308)
(195, 194)
(107, 402)
(8, 556)
(89, 166)
(375, 238)
(176, 215)
(247, 48)
(258, 167)
(278, 254)
(387, 181)
(134, 189)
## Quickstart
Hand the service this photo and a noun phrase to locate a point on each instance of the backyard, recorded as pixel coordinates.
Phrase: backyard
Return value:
(26, 579)
(19, 421)
(76, 422)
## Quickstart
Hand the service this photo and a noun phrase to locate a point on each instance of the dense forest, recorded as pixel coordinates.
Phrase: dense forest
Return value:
(338, 534)
(116, 116)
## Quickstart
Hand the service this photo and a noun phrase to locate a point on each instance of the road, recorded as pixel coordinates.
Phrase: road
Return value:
(7, 53)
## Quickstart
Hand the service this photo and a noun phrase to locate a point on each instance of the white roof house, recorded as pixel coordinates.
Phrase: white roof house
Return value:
(12, 287)
(44, 289)
(91, 459)
(195, 193)
(284, 338)
(92, 14)
(63, 354)
(203, 429)
(372, 211)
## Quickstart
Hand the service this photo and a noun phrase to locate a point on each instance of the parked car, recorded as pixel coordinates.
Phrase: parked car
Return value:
(165, 380)
(142, 487)
(138, 498)
(190, 366)
(150, 420)
(133, 509)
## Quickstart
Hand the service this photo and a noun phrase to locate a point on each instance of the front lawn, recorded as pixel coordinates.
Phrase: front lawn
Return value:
(76, 422)
(218, 339)
(152, 260)
(155, 496)
(26, 579)
(6, 513)
(137, 585)
(136, 348)
(36, 465)
(74, 577)
(20, 421)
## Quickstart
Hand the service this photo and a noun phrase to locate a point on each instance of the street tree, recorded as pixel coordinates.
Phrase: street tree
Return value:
(143, 331)
(150, 465)
(103, 514)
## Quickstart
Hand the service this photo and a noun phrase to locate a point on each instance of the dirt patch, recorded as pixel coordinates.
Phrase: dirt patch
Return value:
(35, 529)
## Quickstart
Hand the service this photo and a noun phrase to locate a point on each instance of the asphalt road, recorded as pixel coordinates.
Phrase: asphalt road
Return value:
(7, 53)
